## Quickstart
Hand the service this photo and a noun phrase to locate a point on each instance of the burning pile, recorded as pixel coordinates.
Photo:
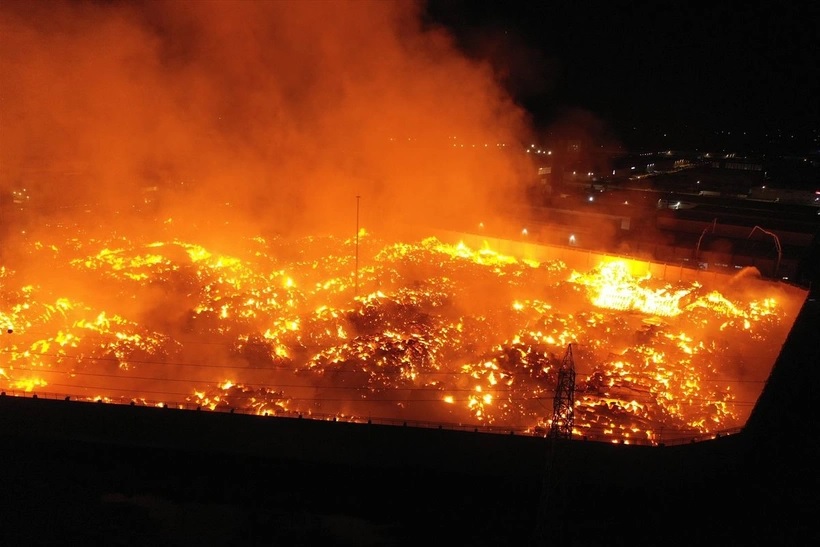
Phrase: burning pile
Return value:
(422, 331)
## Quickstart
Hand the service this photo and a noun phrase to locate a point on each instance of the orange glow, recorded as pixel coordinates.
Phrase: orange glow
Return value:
(189, 238)
(440, 332)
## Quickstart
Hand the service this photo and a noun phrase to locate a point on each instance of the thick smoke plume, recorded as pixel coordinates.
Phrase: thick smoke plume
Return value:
(254, 115)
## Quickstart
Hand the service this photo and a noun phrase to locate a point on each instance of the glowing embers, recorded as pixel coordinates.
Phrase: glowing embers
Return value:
(229, 396)
(436, 332)
(612, 286)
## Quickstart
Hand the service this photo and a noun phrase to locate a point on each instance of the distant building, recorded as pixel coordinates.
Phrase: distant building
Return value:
(731, 162)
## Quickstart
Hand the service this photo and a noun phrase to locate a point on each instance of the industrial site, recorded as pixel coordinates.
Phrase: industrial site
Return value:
(400, 273)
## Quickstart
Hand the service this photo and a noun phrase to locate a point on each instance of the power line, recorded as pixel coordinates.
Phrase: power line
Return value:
(276, 367)
(368, 389)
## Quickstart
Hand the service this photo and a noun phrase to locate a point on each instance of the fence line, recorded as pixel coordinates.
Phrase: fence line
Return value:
(677, 437)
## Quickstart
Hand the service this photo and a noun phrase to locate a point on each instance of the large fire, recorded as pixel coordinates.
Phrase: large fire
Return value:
(362, 329)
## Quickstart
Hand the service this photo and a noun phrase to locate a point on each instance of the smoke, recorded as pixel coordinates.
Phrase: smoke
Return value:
(260, 115)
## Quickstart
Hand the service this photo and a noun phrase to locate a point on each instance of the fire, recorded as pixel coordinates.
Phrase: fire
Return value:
(28, 384)
(436, 332)
(612, 286)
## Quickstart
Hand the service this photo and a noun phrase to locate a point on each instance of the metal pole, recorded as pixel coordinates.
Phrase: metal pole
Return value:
(703, 233)
(776, 244)
(356, 280)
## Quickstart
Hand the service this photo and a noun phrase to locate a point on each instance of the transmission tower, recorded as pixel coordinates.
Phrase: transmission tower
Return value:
(564, 401)
(550, 526)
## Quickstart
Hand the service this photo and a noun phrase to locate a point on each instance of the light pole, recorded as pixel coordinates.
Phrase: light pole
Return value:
(703, 233)
(776, 244)
(356, 278)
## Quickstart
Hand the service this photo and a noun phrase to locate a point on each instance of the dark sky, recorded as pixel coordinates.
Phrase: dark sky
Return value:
(680, 72)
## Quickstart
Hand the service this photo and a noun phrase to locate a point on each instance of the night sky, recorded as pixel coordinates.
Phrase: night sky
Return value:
(656, 74)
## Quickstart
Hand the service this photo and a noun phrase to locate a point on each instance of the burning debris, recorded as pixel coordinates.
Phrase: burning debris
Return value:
(437, 333)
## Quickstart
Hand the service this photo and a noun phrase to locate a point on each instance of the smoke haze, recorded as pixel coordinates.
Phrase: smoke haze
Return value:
(274, 115)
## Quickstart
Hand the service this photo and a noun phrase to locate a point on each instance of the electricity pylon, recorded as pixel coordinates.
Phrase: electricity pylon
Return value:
(563, 402)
